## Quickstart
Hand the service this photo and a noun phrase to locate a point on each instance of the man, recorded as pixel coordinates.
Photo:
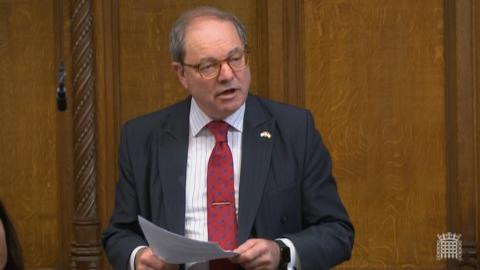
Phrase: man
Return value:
(226, 166)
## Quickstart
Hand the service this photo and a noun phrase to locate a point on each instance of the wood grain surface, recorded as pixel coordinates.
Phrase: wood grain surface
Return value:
(28, 179)
(375, 83)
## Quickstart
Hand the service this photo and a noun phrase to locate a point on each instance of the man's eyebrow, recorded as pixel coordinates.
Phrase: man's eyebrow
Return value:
(207, 59)
(234, 51)
(212, 59)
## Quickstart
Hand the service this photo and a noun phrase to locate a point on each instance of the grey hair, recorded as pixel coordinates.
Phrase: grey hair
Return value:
(177, 34)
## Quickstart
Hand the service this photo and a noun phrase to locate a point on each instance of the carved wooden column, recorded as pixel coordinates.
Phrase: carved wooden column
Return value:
(85, 249)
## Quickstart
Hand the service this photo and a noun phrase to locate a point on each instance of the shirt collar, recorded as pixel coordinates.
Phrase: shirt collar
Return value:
(198, 119)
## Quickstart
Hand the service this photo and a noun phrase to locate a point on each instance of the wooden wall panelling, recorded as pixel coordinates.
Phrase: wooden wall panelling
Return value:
(284, 57)
(107, 100)
(275, 47)
(28, 182)
(462, 128)
(293, 28)
(374, 74)
(477, 120)
(260, 55)
(64, 132)
(451, 108)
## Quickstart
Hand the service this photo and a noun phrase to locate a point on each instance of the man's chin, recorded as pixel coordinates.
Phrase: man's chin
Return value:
(226, 111)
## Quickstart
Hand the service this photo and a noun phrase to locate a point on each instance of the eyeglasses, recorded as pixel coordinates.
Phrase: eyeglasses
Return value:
(211, 68)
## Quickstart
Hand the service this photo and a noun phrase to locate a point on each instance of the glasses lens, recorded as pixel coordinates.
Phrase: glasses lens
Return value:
(208, 69)
(237, 62)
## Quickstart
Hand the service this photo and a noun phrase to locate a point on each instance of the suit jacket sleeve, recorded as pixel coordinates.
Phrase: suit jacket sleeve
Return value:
(327, 235)
(124, 234)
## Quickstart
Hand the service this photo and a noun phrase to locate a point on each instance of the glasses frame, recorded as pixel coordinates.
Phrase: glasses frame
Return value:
(219, 65)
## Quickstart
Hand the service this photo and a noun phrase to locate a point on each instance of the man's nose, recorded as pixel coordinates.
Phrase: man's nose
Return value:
(225, 73)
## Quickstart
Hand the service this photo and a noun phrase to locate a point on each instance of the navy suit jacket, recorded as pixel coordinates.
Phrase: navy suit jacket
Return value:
(286, 183)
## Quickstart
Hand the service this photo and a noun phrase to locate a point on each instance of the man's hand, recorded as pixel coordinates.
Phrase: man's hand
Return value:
(258, 254)
(146, 260)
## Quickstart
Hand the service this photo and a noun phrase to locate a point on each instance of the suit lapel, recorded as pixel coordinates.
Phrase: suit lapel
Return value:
(172, 160)
(256, 155)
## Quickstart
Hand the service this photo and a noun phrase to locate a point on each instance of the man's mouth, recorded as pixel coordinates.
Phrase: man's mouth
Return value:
(227, 91)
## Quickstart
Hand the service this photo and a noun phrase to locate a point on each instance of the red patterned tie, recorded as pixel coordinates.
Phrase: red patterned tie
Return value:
(222, 220)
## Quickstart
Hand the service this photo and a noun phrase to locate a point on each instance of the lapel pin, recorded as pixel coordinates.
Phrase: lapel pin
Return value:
(265, 134)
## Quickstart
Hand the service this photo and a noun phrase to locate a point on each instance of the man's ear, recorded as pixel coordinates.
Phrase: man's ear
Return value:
(180, 71)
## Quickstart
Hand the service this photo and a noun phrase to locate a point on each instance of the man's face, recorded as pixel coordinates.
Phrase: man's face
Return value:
(208, 39)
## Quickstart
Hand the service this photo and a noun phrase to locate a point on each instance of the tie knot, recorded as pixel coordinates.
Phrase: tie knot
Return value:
(219, 130)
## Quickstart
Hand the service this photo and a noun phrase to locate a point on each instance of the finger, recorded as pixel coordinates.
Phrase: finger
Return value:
(245, 246)
(262, 255)
(249, 251)
(256, 263)
(146, 259)
(262, 261)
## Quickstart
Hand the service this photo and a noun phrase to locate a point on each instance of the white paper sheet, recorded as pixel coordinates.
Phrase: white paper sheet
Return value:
(177, 249)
